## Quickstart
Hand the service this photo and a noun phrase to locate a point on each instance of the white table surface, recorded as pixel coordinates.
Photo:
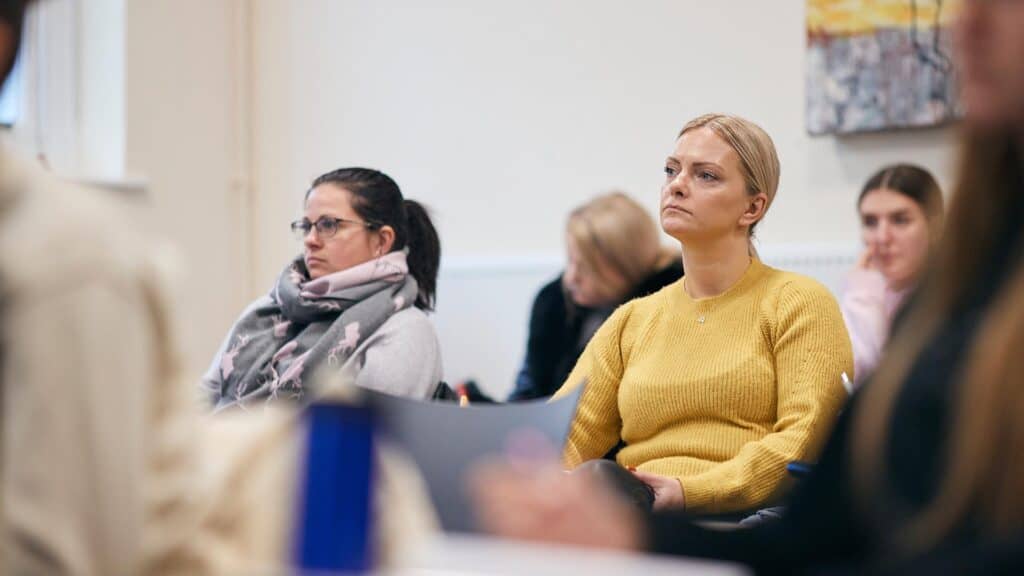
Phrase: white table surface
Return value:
(459, 555)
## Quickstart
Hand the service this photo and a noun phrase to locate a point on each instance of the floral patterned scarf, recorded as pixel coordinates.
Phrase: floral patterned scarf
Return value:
(304, 324)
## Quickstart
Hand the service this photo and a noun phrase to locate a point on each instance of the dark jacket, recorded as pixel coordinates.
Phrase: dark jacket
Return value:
(555, 332)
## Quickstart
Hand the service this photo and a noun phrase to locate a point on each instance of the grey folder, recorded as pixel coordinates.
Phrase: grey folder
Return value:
(445, 440)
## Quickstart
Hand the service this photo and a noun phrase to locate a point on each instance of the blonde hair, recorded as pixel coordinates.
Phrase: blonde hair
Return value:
(616, 230)
(983, 475)
(759, 163)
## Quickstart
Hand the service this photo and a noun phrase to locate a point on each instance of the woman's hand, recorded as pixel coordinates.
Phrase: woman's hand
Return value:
(668, 493)
(539, 501)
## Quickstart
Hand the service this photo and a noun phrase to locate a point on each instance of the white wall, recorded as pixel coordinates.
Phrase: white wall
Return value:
(504, 115)
(181, 78)
(149, 98)
(101, 104)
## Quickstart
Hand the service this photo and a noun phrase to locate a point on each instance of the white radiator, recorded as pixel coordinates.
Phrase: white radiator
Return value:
(483, 305)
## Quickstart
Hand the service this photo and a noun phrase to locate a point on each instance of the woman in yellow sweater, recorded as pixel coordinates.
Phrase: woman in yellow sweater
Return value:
(717, 381)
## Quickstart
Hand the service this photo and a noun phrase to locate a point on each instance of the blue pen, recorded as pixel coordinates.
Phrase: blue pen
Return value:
(798, 469)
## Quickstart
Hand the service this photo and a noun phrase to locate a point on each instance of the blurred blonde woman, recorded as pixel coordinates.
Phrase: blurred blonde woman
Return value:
(714, 383)
(614, 255)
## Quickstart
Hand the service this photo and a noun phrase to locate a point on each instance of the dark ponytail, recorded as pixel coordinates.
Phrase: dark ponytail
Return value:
(424, 251)
(378, 200)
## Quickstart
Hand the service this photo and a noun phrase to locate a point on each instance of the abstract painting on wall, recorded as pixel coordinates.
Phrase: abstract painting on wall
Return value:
(879, 65)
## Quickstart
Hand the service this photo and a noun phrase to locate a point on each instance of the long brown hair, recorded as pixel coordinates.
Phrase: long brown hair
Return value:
(984, 471)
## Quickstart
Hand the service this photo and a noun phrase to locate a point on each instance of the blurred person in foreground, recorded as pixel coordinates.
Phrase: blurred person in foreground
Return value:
(96, 466)
(923, 471)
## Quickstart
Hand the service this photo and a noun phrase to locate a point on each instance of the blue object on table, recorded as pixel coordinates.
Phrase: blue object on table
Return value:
(798, 469)
(334, 529)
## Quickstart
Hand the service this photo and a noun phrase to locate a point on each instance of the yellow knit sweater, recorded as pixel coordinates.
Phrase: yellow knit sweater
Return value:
(718, 392)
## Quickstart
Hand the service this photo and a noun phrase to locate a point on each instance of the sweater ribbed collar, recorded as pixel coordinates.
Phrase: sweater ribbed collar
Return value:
(753, 272)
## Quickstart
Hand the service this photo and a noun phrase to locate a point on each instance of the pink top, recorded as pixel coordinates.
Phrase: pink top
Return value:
(868, 306)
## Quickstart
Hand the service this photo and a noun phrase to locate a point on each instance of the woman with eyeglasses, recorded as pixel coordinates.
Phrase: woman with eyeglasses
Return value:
(354, 300)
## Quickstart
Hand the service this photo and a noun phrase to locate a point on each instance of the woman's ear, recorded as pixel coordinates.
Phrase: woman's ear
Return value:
(386, 236)
(756, 206)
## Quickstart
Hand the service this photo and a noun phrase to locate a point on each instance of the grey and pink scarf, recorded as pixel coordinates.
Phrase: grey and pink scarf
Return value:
(303, 325)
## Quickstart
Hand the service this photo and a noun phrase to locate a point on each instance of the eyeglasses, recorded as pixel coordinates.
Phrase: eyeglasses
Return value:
(326, 227)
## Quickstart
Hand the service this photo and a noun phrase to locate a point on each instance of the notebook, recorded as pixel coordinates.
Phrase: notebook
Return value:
(445, 440)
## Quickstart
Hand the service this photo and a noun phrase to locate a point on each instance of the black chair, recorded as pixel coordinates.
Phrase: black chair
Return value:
(444, 393)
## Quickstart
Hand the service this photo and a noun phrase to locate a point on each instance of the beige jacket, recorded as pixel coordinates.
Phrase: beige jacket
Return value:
(103, 468)
(91, 402)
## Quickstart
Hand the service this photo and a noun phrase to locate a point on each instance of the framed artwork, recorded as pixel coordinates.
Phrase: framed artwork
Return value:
(879, 65)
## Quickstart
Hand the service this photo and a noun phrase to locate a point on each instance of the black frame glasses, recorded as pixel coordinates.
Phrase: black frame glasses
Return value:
(326, 226)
